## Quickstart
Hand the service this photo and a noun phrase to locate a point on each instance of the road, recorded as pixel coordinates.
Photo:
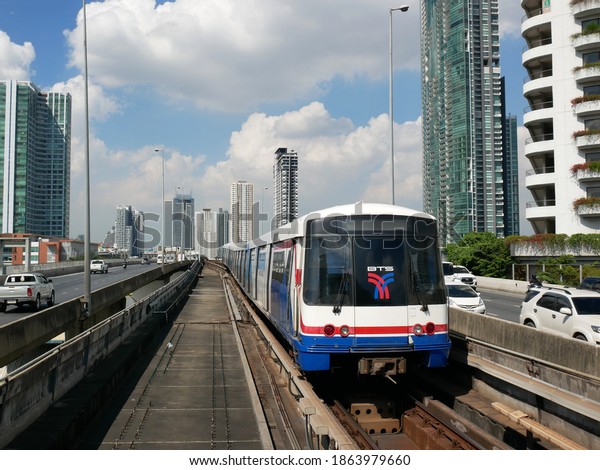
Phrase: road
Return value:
(503, 305)
(70, 286)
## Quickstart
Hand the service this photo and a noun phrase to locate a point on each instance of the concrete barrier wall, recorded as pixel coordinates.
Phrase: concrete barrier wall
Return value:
(29, 391)
(575, 355)
(21, 336)
(502, 285)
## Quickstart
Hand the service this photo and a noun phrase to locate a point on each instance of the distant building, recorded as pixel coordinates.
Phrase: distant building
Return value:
(179, 221)
(35, 144)
(285, 181)
(129, 231)
(562, 88)
(241, 212)
(42, 250)
(211, 232)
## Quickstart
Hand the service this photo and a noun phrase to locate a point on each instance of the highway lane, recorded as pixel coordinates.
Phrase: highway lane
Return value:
(503, 305)
(70, 286)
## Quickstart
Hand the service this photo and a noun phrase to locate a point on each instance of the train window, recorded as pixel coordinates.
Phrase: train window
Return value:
(372, 260)
(380, 270)
(328, 272)
(426, 284)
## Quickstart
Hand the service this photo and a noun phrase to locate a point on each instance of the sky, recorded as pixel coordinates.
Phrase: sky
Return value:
(219, 85)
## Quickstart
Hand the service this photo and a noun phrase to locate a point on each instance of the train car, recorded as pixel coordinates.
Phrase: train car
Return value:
(357, 286)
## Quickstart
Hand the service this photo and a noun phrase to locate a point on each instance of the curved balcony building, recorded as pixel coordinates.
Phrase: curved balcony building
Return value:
(562, 87)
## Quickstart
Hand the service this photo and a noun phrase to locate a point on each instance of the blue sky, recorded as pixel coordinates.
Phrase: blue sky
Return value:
(221, 84)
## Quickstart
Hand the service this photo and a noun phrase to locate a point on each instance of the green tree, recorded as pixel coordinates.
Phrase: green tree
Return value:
(483, 254)
(558, 270)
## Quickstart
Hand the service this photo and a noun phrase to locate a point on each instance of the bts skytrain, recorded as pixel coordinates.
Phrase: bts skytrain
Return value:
(357, 286)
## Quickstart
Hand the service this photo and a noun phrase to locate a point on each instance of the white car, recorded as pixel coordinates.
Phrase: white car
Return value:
(462, 296)
(98, 266)
(568, 312)
(464, 275)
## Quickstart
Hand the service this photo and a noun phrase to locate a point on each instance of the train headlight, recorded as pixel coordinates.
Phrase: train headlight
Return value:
(430, 328)
(418, 329)
(345, 330)
(329, 330)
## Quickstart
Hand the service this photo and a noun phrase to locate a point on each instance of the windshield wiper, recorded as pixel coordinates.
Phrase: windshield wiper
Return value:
(342, 290)
(416, 284)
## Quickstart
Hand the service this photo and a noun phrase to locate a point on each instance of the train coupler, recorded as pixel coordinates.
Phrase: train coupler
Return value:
(385, 366)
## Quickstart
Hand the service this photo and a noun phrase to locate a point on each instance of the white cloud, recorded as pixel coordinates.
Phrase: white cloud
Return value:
(338, 162)
(15, 60)
(509, 17)
(101, 107)
(228, 55)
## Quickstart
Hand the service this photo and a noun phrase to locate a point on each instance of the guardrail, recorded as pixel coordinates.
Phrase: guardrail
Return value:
(27, 392)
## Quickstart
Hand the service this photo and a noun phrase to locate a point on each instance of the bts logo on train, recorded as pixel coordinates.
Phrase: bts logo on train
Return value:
(381, 281)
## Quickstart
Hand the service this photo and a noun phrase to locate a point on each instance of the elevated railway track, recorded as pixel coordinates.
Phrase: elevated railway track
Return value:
(488, 398)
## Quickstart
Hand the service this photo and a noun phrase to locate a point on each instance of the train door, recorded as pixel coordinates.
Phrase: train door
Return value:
(281, 268)
(262, 275)
(252, 273)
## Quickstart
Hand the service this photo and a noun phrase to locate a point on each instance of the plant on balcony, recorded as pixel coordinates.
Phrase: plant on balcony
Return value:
(586, 132)
(586, 201)
(577, 2)
(584, 99)
(591, 28)
(577, 241)
(586, 66)
(591, 166)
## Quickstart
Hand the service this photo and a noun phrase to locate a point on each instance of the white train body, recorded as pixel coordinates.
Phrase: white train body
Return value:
(351, 286)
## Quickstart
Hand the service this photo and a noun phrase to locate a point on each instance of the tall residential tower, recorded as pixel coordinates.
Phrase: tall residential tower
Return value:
(285, 180)
(562, 61)
(463, 118)
(35, 140)
(241, 212)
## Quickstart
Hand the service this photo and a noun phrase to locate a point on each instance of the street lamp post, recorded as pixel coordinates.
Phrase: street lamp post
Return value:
(162, 208)
(87, 281)
(392, 10)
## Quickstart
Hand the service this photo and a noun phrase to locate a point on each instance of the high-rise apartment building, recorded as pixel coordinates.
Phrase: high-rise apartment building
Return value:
(463, 125)
(35, 139)
(562, 61)
(129, 231)
(241, 212)
(285, 181)
(511, 176)
(179, 221)
(211, 232)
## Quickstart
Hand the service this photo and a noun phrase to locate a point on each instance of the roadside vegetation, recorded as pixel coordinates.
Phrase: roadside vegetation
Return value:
(485, 255)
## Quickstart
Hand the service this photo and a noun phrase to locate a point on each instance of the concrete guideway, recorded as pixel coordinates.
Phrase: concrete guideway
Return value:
(196, 391)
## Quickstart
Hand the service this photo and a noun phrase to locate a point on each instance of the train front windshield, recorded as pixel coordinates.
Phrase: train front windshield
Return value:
(372, 260)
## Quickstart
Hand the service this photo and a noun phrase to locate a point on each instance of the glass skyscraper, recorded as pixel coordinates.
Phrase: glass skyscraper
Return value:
(35, 138)
(463, 118)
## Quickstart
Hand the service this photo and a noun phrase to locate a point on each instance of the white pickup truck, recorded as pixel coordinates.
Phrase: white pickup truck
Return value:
(26, 288)
(98, 266)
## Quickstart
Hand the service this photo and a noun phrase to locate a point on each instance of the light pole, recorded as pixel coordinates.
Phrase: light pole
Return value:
(87, 281)
(162, 208)
(392, 10)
